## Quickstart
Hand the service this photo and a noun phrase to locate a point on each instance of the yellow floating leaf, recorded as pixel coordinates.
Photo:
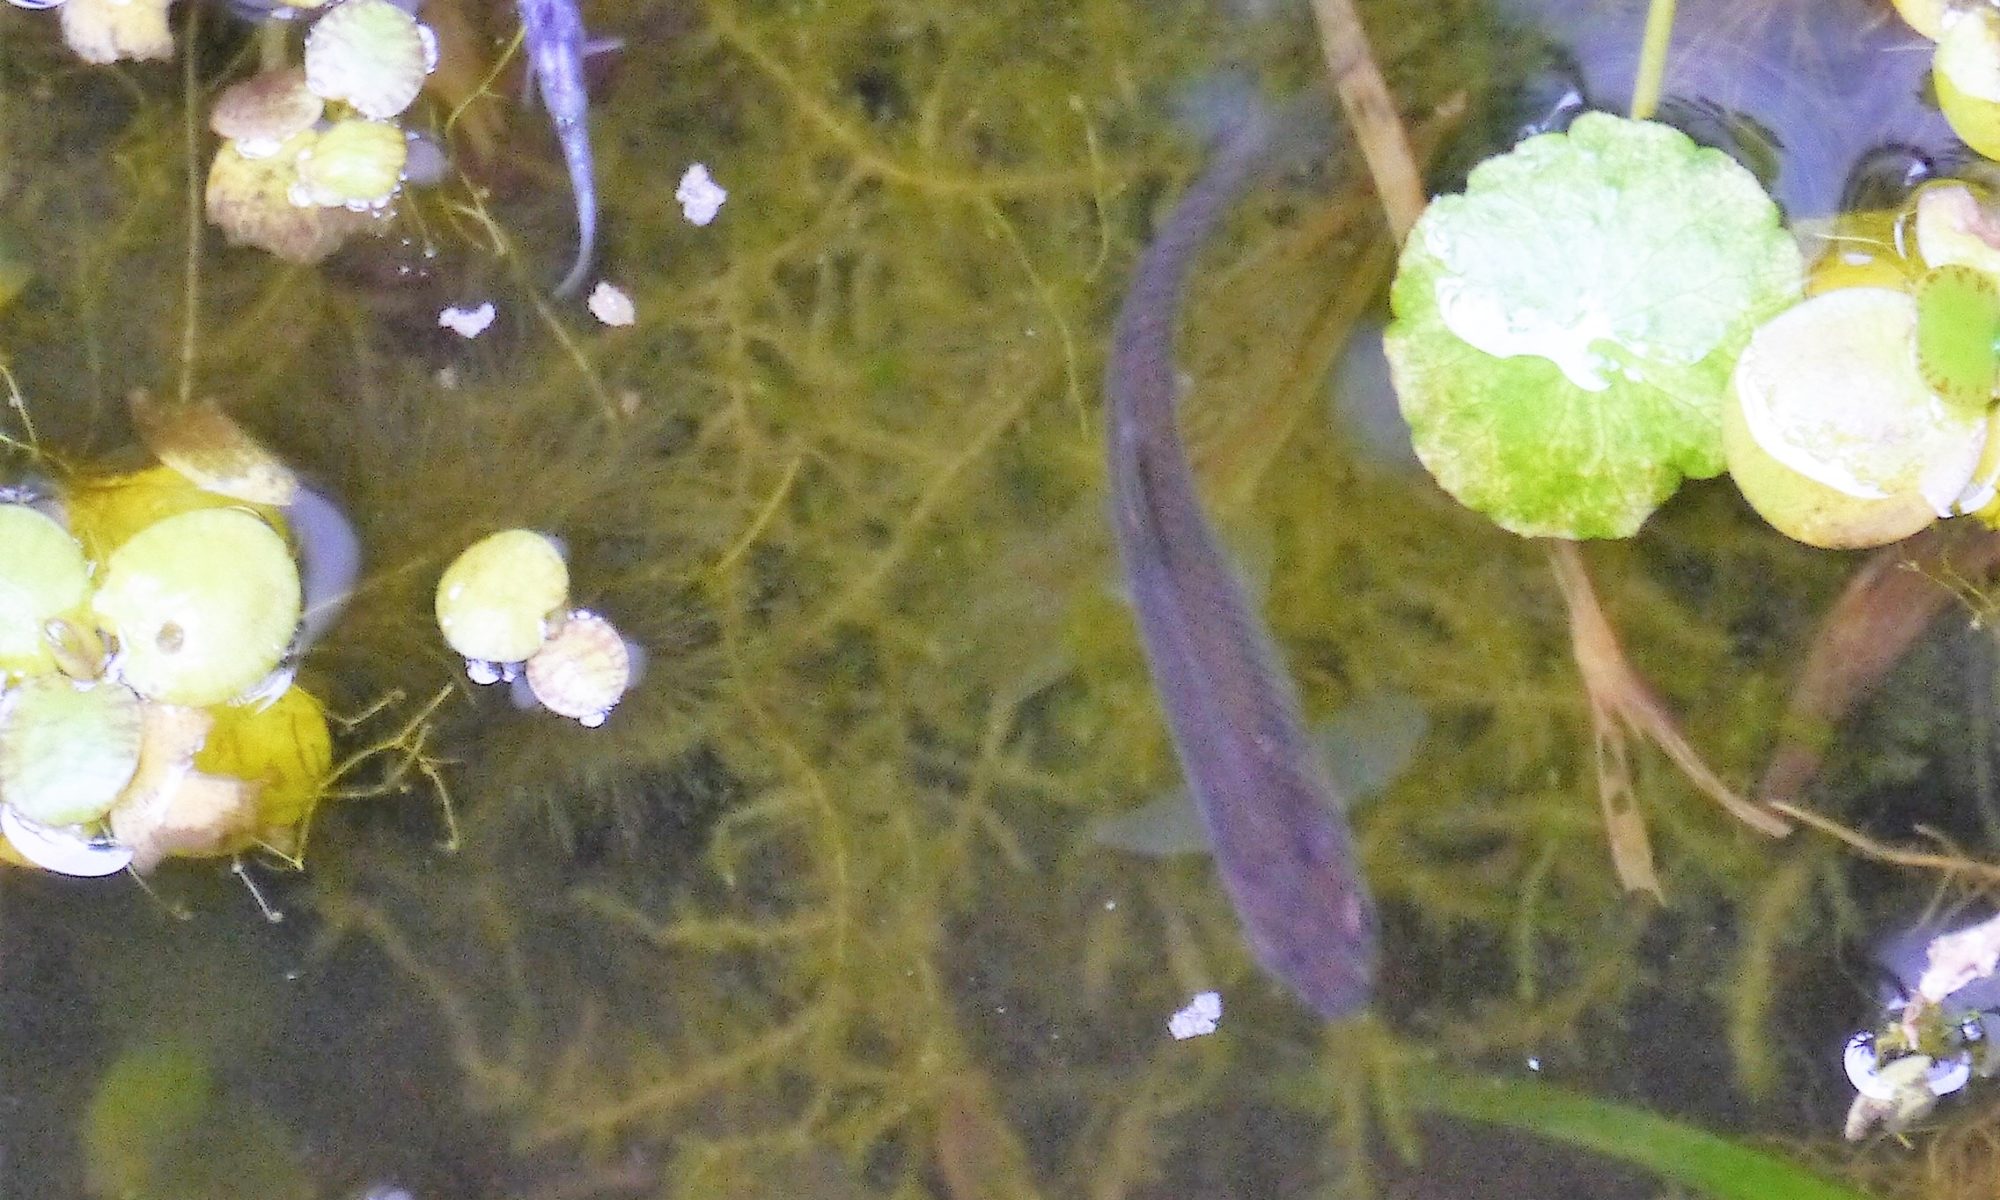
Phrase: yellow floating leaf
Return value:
(284, 747)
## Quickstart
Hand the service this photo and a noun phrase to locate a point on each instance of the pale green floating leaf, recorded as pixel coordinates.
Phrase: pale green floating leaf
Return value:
(204, 605)
(42, 576)
(1830, 388)
(1565, 329)
(370, 54)
(495, 600)
(1958, 323)
(67, 749)
(355, 164)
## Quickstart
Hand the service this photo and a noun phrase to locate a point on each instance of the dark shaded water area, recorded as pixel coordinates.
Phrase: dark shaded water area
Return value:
(821, 910)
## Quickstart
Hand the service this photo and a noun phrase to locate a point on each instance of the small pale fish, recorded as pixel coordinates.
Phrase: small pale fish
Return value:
(553, 31)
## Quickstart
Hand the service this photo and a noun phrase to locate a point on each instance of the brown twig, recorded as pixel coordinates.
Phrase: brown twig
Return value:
(1364, 95)
(1616, 687)
(1882, 852)
(1885, 607)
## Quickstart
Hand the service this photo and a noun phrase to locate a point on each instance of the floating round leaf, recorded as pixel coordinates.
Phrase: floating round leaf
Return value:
(370, 54)
(203, 604)
(1958, 324)
(356, 165)
(42, 576)
(582, 671)
(67, 749)
(1966, 76)
(1807, 510)
(261, 112)
(1565, 328)
(1830, 389)
(495, 600)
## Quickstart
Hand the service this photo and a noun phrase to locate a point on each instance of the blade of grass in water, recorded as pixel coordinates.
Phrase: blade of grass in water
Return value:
(1682, 1153)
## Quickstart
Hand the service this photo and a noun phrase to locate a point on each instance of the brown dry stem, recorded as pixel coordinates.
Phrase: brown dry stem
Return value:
(1619, 696)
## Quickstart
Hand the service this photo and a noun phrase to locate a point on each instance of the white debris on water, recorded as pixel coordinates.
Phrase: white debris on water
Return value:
(1198, 1019)
(467, 322)
(611, 306)
(699, 195)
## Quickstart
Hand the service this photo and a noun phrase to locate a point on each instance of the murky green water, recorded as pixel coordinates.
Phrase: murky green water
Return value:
(818, 912)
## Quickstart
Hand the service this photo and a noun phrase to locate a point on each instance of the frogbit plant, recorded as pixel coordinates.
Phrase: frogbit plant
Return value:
(1864, 414)
(1565, 330)
(1608, 311)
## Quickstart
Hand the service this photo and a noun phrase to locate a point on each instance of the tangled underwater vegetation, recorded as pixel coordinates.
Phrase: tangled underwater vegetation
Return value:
(817, 910)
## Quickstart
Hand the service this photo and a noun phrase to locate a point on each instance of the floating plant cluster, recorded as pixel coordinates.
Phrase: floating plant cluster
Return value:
(503, 605)
(148, 629)
(1572, 340)
(313, 153)
(150, 626)
(1864, 413)
(1965, 71)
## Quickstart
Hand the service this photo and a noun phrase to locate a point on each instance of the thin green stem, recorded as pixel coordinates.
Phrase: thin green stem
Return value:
(191, 280)
(1653, 59)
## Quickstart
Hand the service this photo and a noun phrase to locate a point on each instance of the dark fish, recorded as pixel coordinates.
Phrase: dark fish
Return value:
(1281, 841)
(553, 31)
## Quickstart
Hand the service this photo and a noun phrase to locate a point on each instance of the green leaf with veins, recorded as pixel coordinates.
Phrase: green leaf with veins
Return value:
(1564, 330)
(1958, 322)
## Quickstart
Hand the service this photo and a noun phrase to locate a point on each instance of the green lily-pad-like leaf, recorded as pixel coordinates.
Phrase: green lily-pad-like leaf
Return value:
(1958, 322)
(1565, 329)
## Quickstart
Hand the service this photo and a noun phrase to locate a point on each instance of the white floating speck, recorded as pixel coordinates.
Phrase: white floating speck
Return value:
(1198, 1019)
(611, 306)
(700, 196)
(467, 322)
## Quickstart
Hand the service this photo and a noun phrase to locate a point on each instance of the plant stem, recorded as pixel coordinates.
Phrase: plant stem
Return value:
(1653, 59)
(1371, 110)
(191, 281)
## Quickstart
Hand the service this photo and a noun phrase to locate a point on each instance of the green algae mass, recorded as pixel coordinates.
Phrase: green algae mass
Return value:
(1565, 329)
(42, 576)
(204, 605)
(67, 749)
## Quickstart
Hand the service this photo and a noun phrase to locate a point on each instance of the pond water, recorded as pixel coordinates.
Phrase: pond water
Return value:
(846, 898)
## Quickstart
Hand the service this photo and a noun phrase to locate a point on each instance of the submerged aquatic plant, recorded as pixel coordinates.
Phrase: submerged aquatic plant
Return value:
(821, 903)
